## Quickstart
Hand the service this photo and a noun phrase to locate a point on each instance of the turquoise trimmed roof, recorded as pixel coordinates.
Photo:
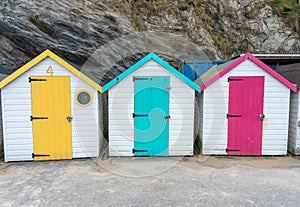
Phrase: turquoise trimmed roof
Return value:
(144, 60)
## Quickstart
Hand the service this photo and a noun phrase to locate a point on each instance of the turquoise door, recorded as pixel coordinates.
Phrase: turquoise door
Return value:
(151, 115)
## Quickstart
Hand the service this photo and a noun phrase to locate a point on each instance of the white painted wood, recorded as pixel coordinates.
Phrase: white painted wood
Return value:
(294, 132)
(276, 110)
(121, 107)
(16, 112)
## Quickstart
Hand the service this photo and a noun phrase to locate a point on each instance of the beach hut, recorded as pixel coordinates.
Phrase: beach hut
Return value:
(151, 110)
(245, 109)
(49, 111)
(292, 73)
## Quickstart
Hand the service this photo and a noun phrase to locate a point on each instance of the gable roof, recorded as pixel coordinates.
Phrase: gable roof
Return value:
(144, 60)
(291, 72)
(42, 56)
(217, 72)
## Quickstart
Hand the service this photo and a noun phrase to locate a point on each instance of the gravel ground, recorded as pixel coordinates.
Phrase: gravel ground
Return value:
(194, 181)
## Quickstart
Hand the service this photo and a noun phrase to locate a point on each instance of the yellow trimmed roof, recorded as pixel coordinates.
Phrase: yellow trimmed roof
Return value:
(39, 58)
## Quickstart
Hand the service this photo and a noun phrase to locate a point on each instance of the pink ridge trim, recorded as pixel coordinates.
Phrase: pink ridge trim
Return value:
(257, 62)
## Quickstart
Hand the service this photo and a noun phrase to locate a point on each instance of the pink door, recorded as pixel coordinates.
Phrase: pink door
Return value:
(245, 115)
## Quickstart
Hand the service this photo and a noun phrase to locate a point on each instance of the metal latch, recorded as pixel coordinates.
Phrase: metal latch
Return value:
(232, 150)
(231, 115)
(137, 115)
(167, 88)
(261, 117)
(136, 150)
(69, 118)
(167, 117)
(39, 118)
(39, 155)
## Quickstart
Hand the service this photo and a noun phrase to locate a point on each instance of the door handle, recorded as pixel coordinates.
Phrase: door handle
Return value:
(69, 118)
(167, 117)
(261, 117)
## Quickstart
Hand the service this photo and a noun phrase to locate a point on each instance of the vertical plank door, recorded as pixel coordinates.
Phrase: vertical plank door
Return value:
(151, 115)
(51, 118)
(245, 115)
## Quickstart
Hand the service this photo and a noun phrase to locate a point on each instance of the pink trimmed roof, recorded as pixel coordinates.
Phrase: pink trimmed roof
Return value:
(257, 62)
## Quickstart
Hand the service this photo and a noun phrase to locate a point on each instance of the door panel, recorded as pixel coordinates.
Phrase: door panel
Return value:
(51, 104)
(151, 111)
(246, 97)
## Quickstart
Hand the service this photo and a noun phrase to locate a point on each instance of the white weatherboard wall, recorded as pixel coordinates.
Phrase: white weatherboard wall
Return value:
(16, 112)
(294, 132)
(121, 106)
(276, 110)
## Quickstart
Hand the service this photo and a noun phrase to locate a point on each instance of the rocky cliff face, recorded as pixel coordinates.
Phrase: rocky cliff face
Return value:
(113, 30)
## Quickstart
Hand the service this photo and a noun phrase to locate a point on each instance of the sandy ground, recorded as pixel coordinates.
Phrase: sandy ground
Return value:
(173, 181)
(142, 166)
(266, 162)
(198, 162)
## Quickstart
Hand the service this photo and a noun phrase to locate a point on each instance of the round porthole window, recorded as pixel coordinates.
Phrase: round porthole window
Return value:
(84, 98)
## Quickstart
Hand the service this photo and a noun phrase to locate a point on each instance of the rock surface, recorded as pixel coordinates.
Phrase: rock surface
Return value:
(72, 29)
(111, 32)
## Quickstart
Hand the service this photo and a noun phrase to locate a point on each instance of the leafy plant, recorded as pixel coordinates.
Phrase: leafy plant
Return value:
(287, 8)
(253, 11)
(137, 24)
(222, 42)
(183, 6)
(161, 4)
(250, 29)
(199, 1)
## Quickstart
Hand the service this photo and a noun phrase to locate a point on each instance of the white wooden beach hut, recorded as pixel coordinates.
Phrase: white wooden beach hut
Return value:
(292, 73)
(49, 111)
(245, 107)
(151, 110)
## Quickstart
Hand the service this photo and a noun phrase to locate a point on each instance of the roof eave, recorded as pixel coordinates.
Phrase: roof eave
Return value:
(39, 58)
(256, 61)
(150, 56)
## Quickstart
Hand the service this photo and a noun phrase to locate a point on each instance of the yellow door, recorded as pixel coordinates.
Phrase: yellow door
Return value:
(51, 117)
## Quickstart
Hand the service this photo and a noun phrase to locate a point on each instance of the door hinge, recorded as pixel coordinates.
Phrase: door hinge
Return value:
(137, 115)
(232, 150)
(229, 115)
(135, 79)
(39, 118)
(39, 155)
(135, 150)
(235, 79)
(36, 79)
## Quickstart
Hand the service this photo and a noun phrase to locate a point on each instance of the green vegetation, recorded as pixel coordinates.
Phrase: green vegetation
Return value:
(184, 17)
(205, 17)
(199, 2)
(287, 8)
(242, 48)
(161, 4)
(222, 42)
(183, 5)
(118, 3)
(253, 11)
(250, 29)
(137, 24)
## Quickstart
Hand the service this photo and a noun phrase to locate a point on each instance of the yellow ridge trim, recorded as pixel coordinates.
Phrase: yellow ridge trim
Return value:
(39, 58)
